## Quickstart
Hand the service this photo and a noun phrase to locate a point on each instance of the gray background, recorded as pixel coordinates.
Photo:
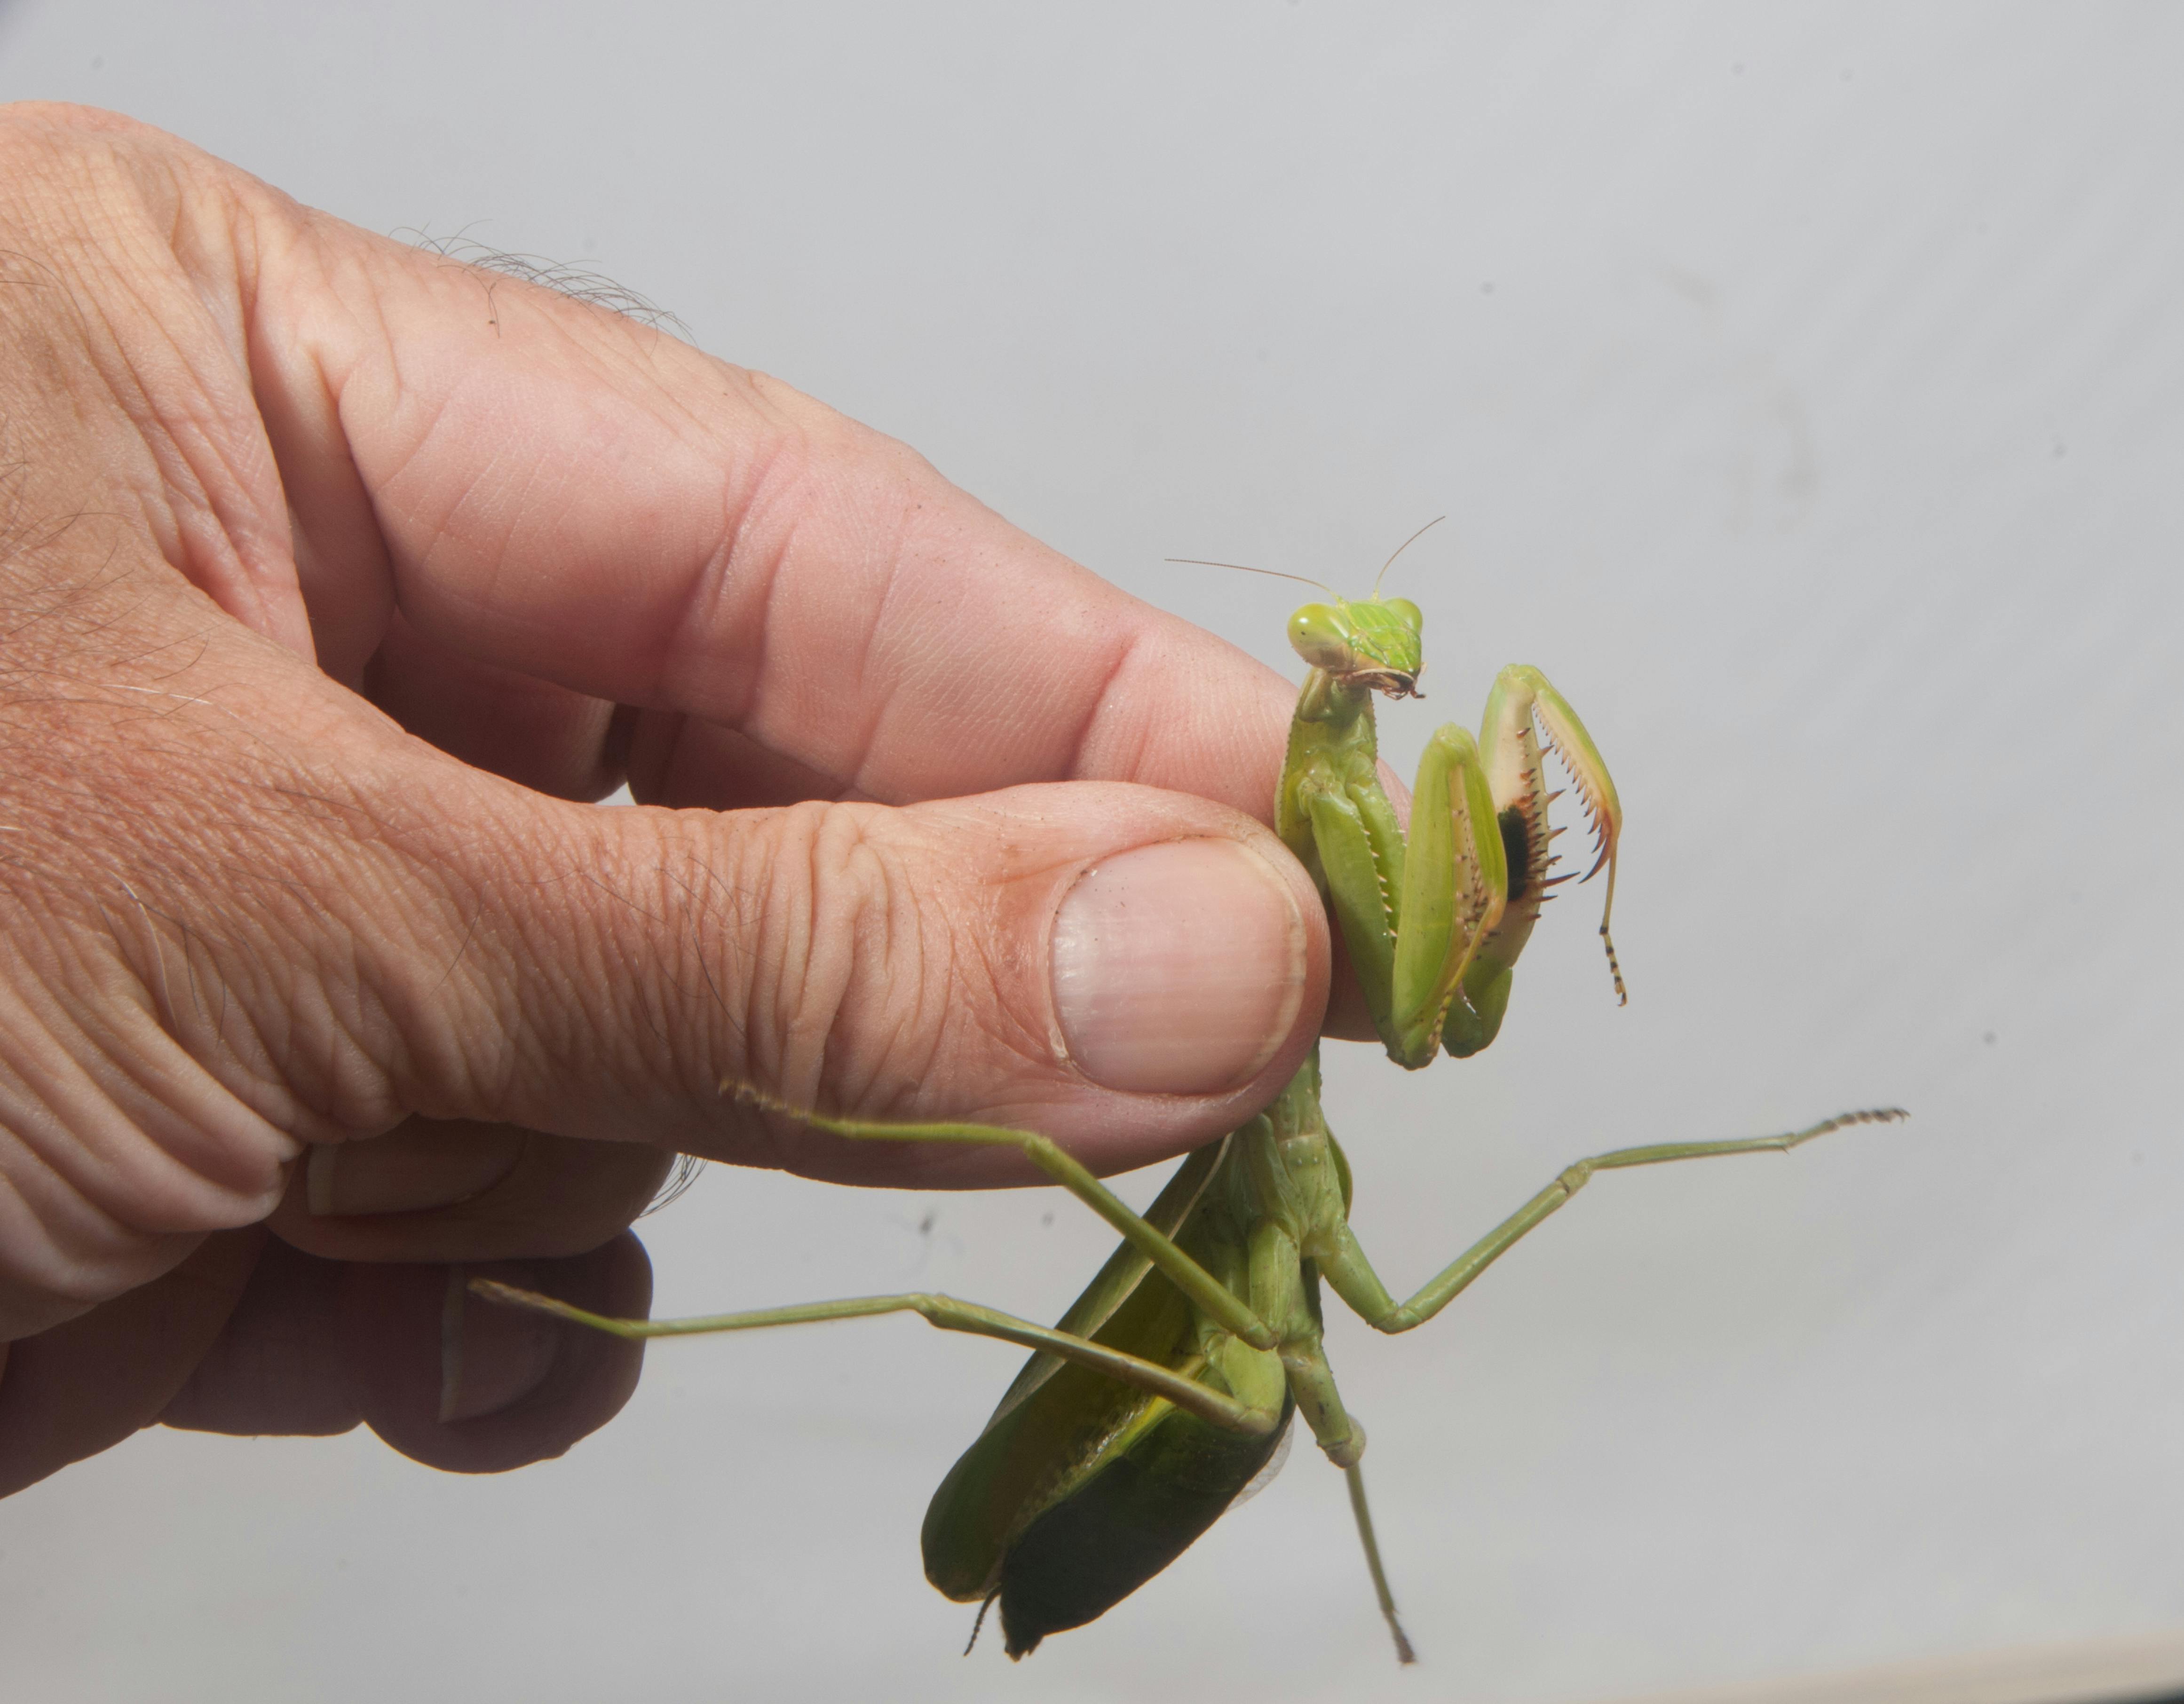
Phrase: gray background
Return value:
(1804, 385)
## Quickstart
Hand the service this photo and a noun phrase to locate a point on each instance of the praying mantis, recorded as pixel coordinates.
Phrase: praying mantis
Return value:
(1167, 1388)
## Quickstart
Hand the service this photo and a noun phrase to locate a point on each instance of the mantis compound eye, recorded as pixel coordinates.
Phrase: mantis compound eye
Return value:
(1411, 615)
(1321, 636)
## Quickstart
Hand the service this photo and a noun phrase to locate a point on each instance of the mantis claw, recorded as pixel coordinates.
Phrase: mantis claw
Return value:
(1434, 925)
(1524, 715)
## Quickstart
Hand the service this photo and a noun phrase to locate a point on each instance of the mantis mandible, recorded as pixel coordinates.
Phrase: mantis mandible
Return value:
(1169, 1385)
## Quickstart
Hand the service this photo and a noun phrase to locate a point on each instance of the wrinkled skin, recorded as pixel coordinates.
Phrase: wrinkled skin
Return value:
(337, 578)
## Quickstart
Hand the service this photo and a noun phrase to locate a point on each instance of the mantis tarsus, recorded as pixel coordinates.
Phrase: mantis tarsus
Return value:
(1169, 1384)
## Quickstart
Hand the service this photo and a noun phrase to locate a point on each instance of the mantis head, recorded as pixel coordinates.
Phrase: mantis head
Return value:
(1372, 643)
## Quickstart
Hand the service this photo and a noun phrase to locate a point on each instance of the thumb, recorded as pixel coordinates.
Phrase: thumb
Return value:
(1127, 970)
(313, 936)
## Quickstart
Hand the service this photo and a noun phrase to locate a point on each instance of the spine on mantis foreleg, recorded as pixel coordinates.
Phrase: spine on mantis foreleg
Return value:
(1523, 697)
(1434, 925)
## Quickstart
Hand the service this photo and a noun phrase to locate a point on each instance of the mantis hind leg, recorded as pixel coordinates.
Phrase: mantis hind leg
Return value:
(1312, 1382)
(1362, 1512)
(944, 1311)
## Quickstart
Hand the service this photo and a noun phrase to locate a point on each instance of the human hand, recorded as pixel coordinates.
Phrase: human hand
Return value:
(337, 579)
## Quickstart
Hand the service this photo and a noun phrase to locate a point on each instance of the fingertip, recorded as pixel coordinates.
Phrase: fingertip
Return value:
(421, 1347)
(465, 1190)
(278, 1368)
(1180, 968)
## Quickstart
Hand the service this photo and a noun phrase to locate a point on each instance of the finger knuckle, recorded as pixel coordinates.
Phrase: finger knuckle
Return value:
(848, 974)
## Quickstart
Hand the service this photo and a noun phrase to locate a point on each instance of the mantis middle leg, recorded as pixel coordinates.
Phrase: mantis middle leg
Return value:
(1351, 1276)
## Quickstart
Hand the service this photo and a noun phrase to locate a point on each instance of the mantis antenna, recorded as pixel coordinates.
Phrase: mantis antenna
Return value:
(1304, 579)
(1246, 568)
(1401, 548)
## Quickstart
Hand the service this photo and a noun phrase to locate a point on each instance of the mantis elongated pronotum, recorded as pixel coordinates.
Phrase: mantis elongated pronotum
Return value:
(1167, 1386)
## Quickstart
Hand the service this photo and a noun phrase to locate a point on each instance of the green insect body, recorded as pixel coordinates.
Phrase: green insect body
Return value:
(1057, 1508)
(1167, 1386)
(1081, 1489)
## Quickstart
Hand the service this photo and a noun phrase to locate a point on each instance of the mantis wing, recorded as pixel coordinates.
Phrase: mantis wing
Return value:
(1081, 1489)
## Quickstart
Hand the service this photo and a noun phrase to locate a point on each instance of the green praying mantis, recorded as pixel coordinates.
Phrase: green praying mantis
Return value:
(1166, 1388)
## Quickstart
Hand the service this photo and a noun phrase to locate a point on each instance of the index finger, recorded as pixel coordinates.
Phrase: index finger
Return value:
(561, 492)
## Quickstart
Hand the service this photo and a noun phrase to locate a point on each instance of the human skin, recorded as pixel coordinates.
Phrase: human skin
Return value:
(337, 581)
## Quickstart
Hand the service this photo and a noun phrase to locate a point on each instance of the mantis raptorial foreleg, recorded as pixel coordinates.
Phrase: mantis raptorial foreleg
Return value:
(1411, 915)
(1434, 927)
(1521, 711)
(1351, 1277)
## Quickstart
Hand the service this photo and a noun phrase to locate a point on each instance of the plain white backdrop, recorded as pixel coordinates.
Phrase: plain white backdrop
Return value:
(1806, 389)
